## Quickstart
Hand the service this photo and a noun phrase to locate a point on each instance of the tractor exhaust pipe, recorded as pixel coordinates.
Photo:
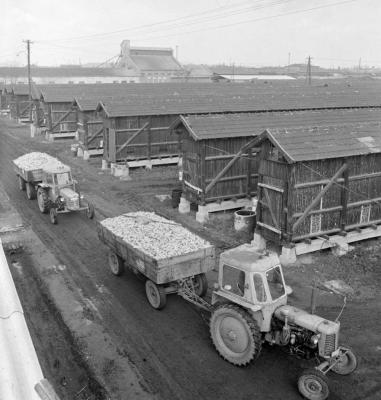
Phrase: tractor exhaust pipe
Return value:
(313, 298)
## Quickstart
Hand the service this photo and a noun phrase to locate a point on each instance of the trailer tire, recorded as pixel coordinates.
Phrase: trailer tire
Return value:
(200, 284)
(313, 385)
(22, 183)
(116, 263)
(42, 200)
(156, 295)
(30, 191)
(235, 334)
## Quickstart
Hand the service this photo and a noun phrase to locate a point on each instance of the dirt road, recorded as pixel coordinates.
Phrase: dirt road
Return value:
(170, 350)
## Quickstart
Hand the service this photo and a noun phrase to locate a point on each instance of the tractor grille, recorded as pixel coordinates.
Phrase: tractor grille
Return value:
(330, 344)
(72, 203)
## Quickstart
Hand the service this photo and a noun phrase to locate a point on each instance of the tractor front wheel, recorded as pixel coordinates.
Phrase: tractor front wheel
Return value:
(235, 334)
(53, 216)
(156, 295)
(90, 211)
(313, 385)
(346, 364)
(43, 200)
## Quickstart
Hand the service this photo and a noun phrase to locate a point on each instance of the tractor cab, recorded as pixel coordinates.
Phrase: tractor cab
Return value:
(253, 280)
(57, 176)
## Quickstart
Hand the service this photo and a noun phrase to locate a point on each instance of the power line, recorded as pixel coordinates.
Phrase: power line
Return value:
(202, 18)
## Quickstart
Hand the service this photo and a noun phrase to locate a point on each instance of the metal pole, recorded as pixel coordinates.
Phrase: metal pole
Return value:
(28, 42)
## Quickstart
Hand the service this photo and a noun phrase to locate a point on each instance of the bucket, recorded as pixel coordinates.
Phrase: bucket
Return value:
(176, 195)
(244, 221)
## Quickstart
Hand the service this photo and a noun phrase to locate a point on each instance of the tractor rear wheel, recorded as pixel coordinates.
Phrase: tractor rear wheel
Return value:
(313, 385)
(235, 334)
(30, 191)
(200, 284)
(43, 200)
(156, 295)
(116, 263)
(346, 364)
(22, 183)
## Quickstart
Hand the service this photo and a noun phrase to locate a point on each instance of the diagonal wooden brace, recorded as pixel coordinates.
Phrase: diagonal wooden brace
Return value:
(316, 200)
(124, 145)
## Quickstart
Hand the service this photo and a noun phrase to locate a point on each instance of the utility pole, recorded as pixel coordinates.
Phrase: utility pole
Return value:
(308, 77)
(360, 64)
(28, 43)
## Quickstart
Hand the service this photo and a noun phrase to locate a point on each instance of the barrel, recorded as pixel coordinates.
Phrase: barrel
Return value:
(176, 195)
(244, 221)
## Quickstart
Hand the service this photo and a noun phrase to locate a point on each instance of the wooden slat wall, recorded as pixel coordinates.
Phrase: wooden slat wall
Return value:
(89, 123)
(70, 121)
(160, 142)
(361, 190)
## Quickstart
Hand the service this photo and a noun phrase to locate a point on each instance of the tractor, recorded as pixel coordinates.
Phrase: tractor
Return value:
(249, 308)
(59, 193)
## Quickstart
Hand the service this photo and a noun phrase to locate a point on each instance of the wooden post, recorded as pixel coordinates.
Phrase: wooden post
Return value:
(249, 166)
(202, 178)
(50, 122)
(344, 199)
(289, 191)
(112, 145)
(149, 138)
(85, 128)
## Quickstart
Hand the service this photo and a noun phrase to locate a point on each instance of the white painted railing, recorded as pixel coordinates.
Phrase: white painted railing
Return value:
(20, 370)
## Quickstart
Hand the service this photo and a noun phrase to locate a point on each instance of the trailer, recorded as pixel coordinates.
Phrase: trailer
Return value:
(165, 274)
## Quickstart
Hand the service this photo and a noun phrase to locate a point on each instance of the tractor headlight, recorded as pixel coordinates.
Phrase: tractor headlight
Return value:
(314, 340)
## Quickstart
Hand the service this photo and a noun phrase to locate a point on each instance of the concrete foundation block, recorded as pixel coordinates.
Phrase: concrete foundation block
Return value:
(148, 165)
(104, 164)
(341, 247)
(76, 135)
(33, 130)
(80, 152)
(202, 215)
(120, 171)
(288, 255)
(86, 155)
(259, 242)
(184, 206)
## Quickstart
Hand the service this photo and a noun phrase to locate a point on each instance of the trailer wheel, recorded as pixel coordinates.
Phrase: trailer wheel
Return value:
(313, 385)
(235, 334)
(156, 295)
(200, 284)
(30, 191)
(53, 216)
(22, 183)
(42, 200)
(90, 211)
(346, 364)
(116, 263)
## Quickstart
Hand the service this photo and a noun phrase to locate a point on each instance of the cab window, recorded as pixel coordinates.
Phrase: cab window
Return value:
(259, 287)
(275, 283)
(49, 179)
(233, 280)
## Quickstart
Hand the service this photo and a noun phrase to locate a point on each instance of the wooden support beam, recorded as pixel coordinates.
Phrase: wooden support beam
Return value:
(316, 200)
(344, 196)
(137, 133)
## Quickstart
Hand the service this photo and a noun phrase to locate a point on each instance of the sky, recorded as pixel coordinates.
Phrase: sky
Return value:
(252, 33)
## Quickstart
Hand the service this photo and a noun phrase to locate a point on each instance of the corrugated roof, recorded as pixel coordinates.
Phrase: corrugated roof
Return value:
(215, 126)
(157, 62)
(304, 144)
